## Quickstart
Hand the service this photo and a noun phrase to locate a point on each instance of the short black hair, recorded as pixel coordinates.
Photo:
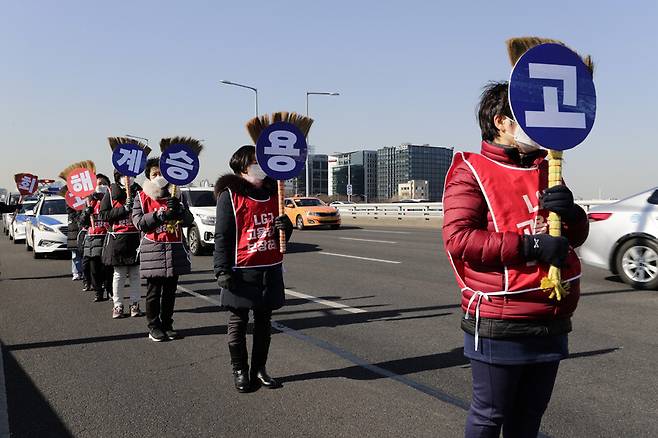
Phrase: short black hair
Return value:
(150, 164)
(105, 179)
(493, 102)
(242, 159)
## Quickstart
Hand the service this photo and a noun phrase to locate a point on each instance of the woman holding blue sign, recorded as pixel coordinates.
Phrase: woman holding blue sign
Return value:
(163, 256)
(247, 261)
(496, 208)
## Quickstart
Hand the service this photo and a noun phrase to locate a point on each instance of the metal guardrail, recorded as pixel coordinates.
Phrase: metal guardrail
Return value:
(426, 210)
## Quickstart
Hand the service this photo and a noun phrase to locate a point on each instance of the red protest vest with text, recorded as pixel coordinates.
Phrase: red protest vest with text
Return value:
(512, 197)
(256, 237)
(160, 234)
(125, 225)
(99, 227)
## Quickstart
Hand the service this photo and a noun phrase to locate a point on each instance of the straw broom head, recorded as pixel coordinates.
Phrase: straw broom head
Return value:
(88, 164)
(257, 125)
(516, 47)
(190, 142)
(117, 141)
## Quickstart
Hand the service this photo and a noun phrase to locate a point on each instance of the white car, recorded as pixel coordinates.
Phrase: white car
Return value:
(10, 199)
(623, 238)
(202, 204)
(18, 222)
(46, 228)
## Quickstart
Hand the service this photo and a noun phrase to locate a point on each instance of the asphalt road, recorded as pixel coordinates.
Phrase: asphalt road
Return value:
(388, 365)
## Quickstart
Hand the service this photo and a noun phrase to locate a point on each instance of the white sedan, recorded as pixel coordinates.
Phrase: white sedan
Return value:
(46, 228)
(19, 220)
(623, 238)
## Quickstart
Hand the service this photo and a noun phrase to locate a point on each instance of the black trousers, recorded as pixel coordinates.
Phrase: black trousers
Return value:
(86, 271)
(237, 337)
(101, 276)
(160, 301)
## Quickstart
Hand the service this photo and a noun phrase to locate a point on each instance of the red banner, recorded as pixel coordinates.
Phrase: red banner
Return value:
(81, 182)
(74, 201)
(26, 183)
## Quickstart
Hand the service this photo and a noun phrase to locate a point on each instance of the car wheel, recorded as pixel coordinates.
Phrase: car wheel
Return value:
(637, 263)
(300, 223)
(37, 255)
(27, 244)
(194, 241)
(15, 241)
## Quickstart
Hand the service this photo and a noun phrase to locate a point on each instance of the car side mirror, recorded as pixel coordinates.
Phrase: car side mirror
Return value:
(653, 199)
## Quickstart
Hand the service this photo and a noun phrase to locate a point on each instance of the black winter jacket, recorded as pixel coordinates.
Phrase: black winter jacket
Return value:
(255, 287)
(121, 249)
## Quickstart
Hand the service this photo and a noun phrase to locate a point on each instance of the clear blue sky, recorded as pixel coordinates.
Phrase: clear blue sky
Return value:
(75, 72)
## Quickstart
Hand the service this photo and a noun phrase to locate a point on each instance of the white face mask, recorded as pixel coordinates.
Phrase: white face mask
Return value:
(127, 181)
(101, 189)
(256, 173)
(524, 143)
(160, 181)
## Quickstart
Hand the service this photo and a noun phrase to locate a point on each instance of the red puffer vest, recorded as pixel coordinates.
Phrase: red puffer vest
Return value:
(100, 227)
(489, 203)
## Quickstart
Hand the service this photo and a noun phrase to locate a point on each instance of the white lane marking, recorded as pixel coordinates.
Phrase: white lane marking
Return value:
(4, 407)
(325, 302)
(359, 258)
(382, 231)
(366, 240)
(289, 292)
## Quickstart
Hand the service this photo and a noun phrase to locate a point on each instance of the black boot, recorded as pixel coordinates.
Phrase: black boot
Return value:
(239, 361)
(259, 353)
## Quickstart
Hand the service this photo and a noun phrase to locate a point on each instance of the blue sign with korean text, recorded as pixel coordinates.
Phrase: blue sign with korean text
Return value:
(129, 159)
(552, 96)
(281, 151)
(179, 164)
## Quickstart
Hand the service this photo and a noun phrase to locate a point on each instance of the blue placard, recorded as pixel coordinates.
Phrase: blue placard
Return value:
(552, 96)
(129, 159)
(281, 151)
(179, 164)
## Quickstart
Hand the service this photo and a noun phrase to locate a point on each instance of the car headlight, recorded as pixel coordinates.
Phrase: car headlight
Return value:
(311, 213)
(207, 220)
(43, 227)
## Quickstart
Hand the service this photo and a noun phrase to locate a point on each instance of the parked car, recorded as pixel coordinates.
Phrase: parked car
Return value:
(10, 199)
(311, 212)
(46, 228)
(623, 239)
(202, 203)
(19, 219)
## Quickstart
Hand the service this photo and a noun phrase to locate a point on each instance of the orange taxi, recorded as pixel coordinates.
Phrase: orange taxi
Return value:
(311, 212)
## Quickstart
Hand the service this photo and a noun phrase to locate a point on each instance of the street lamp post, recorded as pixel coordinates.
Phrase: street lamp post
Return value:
(308, 173)
(136, 137)
(255, 90)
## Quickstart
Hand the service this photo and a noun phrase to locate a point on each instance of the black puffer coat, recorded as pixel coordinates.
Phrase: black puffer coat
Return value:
(93, 245)
(255, 287)
(73, 230)
(160, 259)
(121, 248)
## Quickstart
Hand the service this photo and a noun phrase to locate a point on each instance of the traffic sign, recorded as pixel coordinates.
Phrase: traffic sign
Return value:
(179, 164)
(552, 96)
(129, 159)
(281, 151)
(349, 189)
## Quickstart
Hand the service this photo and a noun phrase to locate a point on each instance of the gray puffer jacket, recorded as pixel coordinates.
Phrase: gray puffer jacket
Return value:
(160, 259)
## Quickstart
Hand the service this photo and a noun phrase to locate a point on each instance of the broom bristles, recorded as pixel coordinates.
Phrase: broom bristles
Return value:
(117, 141)
(516, 47)
(257, 125)
(88, 164)
(190, 142)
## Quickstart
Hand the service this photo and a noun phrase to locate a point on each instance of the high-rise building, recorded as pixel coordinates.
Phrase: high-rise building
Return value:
(400, 164)
(358, 168)
(319, 178)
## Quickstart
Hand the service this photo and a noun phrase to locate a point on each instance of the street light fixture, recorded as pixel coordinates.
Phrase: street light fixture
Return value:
(315, 93)
(255, 90)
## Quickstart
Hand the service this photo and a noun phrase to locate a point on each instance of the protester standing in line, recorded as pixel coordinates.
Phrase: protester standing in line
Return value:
(496, 206)
(122, 245)
(163, 255)
(100, 275)
(248, 262)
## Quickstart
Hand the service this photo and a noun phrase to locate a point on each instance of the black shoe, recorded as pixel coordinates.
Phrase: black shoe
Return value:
(241, 380)
(171, 333)
(262, 378)
(157, 335)
(98, 299)
(86, 288)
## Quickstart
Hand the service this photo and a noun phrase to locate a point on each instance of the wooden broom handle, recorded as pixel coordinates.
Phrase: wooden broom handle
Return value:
(282, 211)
